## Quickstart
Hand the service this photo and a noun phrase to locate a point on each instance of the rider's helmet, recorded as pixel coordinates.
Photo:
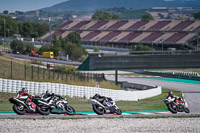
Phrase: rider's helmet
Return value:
(97, 95)
(24, 89)
(170, 93)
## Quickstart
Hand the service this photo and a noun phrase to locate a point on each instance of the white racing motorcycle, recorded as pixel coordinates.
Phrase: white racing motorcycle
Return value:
(109, 108)
(175, 105)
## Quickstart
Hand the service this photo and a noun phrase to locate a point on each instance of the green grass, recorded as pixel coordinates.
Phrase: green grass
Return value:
(82, 105)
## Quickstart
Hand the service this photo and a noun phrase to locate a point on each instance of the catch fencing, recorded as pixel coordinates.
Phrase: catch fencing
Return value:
(18, 70)
(13, 86)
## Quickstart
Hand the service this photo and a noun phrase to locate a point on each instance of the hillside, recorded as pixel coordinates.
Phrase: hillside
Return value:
(89, 5)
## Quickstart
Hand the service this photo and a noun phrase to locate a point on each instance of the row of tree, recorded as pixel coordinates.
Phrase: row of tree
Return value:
(9, 27)
(18, 46)
(70, 46)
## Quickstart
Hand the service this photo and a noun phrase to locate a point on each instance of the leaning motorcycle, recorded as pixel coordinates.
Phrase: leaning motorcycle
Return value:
(20, 107)
(62, 107)
(109, 108)
(174, 105)
(55, 105)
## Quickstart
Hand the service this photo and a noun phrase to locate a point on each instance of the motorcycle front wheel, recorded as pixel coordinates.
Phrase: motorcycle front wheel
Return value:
(171, 109)
(98, 110)
(43, 110)
(69, 110)
(118, 111)
(19, 109)
(187, 110)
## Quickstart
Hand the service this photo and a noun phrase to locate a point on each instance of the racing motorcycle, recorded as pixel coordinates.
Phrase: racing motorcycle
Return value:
(175, 105)
(62, 107)
(55, 104)
(20, 106)
(110, 107)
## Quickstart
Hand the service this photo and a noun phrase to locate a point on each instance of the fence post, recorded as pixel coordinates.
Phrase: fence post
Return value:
(43, 73)
(62, 75)
(88, 77)
(74, 74)
(70, 76)
(49, 74)
(25, 70)
(58, 75)
(53, 73)
(32, 72)
(11, 69)
(116, 77)
(38, 72)
(66, 77)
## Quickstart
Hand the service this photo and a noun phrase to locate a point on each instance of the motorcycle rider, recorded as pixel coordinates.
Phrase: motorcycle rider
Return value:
(24, 92)
(51, 97)
(173, 97)
(102, 99)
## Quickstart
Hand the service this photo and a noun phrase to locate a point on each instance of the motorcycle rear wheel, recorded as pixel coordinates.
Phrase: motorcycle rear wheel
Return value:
(171, 109)
(187, 110)
(70, 110)
(97, 110)
(18, 110)
(42, 110)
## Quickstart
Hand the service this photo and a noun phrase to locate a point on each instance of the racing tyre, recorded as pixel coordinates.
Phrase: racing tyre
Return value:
(19, 109)
(43, 110)
(187, 110)
(98, 110)
(70, 110)
(118, 112)
(171, 109)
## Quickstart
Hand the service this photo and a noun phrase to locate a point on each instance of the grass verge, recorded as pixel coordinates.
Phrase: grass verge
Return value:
(82, 105)
(45, 75)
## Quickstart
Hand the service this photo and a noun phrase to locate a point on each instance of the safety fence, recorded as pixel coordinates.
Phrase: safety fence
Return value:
(182, 75)
(13, 69)
(13, 86)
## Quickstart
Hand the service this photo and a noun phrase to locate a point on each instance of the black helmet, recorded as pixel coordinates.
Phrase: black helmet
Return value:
(24, 89)
(97, 95)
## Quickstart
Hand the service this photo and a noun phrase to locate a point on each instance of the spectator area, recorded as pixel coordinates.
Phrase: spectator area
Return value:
(129, 31)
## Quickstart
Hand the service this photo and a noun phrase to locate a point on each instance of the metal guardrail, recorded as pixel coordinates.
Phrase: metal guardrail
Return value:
(134, 86)
(166, 52)
(181, 75)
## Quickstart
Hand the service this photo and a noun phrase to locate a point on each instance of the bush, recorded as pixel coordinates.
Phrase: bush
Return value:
(66, 69)
(96, 49)
(141, 47)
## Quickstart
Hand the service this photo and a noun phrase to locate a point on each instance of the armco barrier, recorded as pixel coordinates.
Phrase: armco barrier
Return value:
(14, 86)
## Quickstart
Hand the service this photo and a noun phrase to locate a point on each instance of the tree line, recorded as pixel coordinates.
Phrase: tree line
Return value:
(9, 27)
(70, 46)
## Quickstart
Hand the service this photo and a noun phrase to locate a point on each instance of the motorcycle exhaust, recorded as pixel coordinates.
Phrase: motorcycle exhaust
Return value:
(15, 100)
(93, 102)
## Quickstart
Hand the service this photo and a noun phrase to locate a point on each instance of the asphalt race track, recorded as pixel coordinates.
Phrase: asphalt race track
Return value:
(191, 91)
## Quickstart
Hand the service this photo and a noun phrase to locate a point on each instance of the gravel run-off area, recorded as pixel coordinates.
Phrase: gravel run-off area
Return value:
(123, 125)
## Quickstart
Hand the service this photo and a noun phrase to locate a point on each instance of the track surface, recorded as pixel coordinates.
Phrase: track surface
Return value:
(87, 125)
(87, 114)
(191, 91)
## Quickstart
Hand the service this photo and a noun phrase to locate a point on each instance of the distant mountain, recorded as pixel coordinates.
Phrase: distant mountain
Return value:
(88, 5)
